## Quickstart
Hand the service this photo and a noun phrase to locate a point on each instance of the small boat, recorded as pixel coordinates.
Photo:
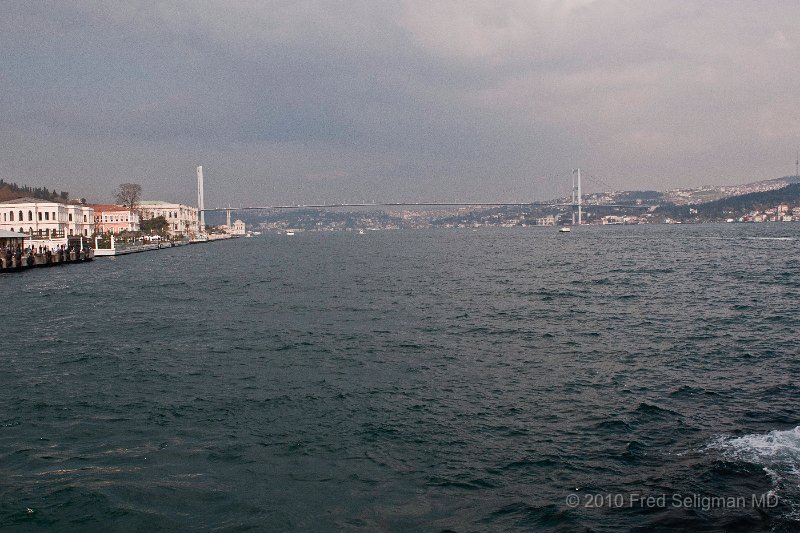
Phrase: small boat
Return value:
(564, 229)
(361, 232)
(289, 233)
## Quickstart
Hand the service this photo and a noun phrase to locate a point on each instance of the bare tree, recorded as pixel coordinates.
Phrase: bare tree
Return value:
(128, 195)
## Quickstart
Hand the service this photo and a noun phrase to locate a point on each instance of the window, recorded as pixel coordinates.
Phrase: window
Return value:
(70, 217)
(21, 218)
(46, 216)
(40, 217)
(86, 231)
(71, 233)
(30, 216)
(84, 219)
(11, 216)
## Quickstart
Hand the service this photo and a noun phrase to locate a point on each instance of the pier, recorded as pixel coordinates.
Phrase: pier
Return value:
(125, 248)
(15, 256)
(19, 261)
(115, 248)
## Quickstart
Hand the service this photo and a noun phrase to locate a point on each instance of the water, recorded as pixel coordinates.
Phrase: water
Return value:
(414, 380)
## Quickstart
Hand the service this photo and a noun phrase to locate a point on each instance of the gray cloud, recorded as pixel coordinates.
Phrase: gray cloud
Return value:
(315, 101)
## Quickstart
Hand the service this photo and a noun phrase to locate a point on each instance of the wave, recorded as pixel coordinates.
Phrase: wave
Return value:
(777, 453)
(777, 448)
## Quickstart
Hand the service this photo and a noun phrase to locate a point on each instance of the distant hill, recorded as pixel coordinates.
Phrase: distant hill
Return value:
(11, 191)
(736, 206)
(739, 205)
(785, 179)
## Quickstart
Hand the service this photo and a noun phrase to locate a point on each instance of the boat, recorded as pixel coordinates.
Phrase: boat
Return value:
(564, 229)
(289, 233)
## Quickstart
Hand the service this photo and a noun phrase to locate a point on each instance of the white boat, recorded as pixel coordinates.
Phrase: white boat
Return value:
(289, 233)
(564, 229)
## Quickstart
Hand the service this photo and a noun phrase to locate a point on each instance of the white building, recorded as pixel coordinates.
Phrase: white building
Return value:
(181, 219)
(46, 218)
(612, 220)
(237, 228)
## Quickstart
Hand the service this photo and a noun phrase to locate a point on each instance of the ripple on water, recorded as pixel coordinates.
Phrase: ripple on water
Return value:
(412, 380)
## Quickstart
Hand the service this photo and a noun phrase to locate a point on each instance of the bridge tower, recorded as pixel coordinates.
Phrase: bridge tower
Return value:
(577, 197)
(200, 200)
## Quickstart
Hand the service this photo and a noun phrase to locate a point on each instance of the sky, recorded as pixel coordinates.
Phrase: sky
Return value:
(306, 101)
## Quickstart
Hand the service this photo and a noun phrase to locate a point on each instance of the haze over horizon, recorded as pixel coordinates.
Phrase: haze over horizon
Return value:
(311, 101)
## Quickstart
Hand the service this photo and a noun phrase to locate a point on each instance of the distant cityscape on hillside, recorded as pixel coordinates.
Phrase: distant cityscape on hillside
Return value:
(775, 200)
(765, 201)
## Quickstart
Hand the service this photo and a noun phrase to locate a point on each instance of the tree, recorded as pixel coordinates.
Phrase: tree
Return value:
(128, 194)
(158, 226)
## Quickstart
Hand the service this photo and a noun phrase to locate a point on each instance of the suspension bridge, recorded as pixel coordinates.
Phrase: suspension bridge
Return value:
(577, 204)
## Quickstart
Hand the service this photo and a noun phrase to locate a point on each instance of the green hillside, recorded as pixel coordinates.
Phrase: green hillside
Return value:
(11, 191)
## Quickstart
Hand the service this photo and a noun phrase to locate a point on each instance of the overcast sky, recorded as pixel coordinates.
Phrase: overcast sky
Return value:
(311, 101)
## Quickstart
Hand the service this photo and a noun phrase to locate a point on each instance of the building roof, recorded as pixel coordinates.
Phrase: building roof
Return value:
(159, 203)
(29, 200)
(155, 202)
(108, 207)
(5, 234)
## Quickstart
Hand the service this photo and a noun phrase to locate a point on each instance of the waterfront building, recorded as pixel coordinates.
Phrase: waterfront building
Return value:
(10, 240)
(612, 220)
(237, 228)
(46, 218)
(110, 218)
(181, 219)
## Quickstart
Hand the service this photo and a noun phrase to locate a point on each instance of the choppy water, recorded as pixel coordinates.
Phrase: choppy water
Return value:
(416, 380)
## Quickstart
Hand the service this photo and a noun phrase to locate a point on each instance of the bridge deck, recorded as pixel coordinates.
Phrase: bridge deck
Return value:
(428, 204)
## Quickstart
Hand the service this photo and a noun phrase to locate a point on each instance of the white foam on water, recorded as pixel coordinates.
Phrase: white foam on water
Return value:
(777, 450)
(771, 238)
(778, 453)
